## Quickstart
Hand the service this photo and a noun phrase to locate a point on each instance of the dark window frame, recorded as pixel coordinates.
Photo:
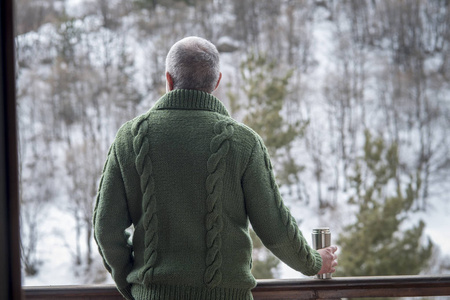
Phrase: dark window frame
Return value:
(10, 271)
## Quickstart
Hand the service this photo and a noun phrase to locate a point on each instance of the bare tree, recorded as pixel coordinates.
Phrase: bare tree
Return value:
(36, 169)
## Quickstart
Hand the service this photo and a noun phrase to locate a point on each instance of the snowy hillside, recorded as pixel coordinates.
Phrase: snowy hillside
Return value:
(95, 64)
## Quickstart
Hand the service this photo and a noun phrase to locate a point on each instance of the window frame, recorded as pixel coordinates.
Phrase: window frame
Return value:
(10, 270)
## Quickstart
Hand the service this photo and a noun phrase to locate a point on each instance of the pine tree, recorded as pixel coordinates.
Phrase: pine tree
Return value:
(378, 243)
(266, 95)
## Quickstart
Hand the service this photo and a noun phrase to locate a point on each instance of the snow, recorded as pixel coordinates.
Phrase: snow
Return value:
(57, 233)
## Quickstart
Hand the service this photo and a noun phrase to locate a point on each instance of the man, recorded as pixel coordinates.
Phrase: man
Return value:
(189, 179)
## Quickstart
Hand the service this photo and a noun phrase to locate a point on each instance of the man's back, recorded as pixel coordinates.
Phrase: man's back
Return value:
(196, 169)
(190, 180)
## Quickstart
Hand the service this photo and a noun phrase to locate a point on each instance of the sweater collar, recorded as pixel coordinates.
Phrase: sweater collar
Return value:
(192, 100)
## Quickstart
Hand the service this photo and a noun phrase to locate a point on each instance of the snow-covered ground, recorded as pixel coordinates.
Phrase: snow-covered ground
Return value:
(58, 260)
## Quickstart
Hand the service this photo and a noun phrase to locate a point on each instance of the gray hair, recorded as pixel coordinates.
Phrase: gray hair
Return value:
(193, 63)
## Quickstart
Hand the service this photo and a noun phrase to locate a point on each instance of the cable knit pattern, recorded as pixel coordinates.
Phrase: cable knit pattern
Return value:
(219, 148)
(190, 180)
(286, 217)
(141, 147)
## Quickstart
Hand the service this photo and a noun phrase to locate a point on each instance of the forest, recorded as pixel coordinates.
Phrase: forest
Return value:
(351, 98)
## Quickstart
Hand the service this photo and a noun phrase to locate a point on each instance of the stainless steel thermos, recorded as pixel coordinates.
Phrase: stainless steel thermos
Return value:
(321, 238)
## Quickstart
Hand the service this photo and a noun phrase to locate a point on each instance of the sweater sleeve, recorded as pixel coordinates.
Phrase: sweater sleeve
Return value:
(111, 219)
(271, 219)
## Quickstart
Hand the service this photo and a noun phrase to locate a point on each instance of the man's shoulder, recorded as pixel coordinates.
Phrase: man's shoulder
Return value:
(124, 132)
(128, 131)
(131, 127)
(243, 133)
(248, 131)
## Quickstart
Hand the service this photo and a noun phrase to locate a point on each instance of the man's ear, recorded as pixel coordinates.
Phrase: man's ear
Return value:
(218, 81)
(169, 83)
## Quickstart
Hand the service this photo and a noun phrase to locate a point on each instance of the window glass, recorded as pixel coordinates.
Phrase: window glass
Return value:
(350, 98)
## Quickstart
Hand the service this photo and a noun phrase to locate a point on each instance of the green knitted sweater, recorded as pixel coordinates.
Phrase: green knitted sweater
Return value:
(189, 179)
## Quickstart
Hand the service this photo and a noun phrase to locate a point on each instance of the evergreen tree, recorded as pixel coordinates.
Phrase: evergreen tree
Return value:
(378, 243)
(266, 95)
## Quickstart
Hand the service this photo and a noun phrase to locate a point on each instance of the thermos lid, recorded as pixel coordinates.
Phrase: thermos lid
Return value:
(321, 230)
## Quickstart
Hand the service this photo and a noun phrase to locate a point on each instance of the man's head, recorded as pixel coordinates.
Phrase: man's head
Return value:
(193, 63)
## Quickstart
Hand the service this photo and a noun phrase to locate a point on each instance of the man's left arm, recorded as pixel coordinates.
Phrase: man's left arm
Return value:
(111, 219)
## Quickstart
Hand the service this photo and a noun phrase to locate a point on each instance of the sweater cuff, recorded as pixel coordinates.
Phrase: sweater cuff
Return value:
(317, 262)
(126, 292)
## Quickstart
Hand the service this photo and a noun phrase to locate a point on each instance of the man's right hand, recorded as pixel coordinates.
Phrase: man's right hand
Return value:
(329, 259)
